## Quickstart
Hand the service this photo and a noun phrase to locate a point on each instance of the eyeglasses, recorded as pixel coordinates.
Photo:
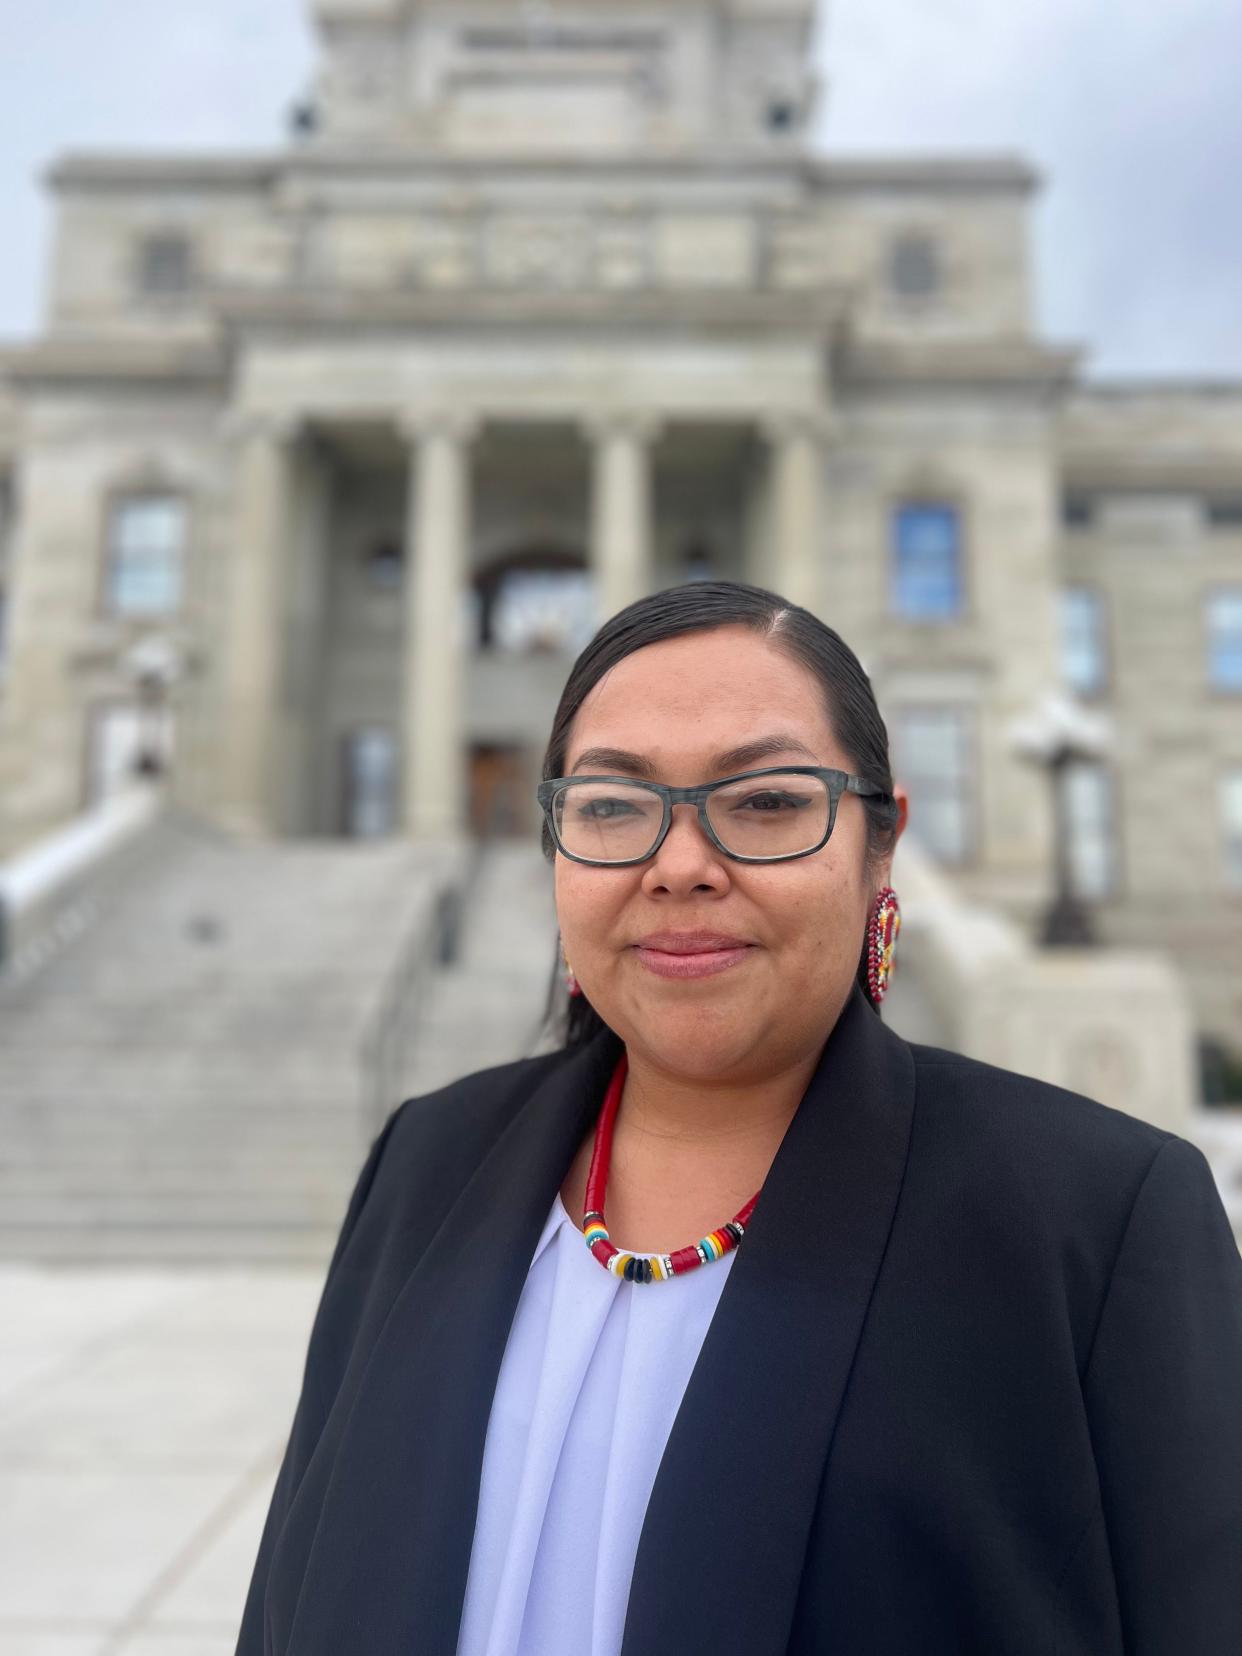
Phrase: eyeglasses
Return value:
(757, 816)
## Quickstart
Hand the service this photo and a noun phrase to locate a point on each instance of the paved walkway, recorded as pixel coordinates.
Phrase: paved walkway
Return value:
(143, 1414)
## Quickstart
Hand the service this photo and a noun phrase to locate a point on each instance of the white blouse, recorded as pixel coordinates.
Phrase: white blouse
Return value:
(591, 1380)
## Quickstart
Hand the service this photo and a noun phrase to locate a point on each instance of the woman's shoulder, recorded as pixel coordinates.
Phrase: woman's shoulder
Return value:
(1048, 1142)
(475, 1105)
(424, 1152)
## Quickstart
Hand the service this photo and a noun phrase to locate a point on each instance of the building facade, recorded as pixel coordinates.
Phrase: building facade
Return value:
(327, 461)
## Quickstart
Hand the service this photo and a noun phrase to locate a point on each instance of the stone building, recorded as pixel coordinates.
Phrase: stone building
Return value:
(544, 306)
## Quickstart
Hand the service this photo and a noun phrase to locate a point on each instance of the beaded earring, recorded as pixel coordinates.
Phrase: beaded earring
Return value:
(882, 929)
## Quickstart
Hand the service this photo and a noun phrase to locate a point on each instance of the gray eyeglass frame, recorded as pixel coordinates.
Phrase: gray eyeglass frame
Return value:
(838, 782)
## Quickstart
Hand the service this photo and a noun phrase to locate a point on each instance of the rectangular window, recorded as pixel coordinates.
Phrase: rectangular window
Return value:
(927, 562)
(1077, 511)
(1231, 826)
(1092, 835)
(1224, 512)
(1083, 658)
(935, 762)
(1224, 638)
(164, 265)
(146, 555)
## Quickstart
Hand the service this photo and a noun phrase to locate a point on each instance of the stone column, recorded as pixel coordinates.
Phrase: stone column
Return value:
(796, 561)
(436, 565)
(621, 508)
(254, 634)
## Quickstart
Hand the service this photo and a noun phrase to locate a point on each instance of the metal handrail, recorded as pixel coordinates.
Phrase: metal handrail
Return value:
(385, 1046)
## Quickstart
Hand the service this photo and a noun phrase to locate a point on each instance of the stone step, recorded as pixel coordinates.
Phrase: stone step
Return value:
(126, 1244)
(200, 1174)
(203, 1073)
(287, 1139)
(304, 1208)
(62, 1134)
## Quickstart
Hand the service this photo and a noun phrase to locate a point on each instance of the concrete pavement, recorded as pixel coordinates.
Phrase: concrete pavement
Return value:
(143, 1414)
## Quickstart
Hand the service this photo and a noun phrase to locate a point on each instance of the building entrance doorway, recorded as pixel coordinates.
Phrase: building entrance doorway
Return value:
(119, 733)
(502, 789)
(369, 783)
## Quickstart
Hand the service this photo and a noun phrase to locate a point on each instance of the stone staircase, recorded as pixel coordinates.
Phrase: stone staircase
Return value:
(188, 1078)
(487, 1007)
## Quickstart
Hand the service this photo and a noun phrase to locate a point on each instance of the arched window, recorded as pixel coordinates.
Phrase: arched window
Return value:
(537, 610)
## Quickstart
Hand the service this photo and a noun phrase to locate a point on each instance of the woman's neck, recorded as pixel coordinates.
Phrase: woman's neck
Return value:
(686, 1156)
(673, 1117)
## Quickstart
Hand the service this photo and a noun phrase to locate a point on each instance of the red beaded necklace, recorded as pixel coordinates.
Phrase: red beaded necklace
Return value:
(644, 1267)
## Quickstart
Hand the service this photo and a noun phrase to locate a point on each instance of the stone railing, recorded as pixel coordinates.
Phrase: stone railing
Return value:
(50, 892)
(1112, 1024)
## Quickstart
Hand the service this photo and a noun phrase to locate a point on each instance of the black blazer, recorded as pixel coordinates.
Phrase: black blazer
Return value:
(974, 1384)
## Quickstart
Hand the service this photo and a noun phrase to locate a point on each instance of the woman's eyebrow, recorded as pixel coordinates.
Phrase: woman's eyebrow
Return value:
(739, 758)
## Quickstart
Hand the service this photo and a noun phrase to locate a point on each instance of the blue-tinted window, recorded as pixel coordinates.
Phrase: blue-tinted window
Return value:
(1231, 825)
(927, 569)
(146, 547)
(1224, 629)
(1083, 659)
(934, 752)
(1090, 815)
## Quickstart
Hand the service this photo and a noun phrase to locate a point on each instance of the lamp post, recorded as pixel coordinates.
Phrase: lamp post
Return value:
(1055, 735)
(154, 665)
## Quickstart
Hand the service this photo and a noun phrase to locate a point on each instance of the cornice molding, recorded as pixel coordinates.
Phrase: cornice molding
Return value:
(124, 169)
(175, 364)
(1133, 471)
(861, 365)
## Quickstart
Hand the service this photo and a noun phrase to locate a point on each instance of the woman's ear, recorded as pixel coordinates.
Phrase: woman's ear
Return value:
(903, 809)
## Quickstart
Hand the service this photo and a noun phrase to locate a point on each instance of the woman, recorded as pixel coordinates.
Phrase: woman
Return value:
(955, 1364)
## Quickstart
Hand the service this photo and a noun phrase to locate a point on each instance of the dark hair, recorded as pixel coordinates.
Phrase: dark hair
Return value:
(700, 606)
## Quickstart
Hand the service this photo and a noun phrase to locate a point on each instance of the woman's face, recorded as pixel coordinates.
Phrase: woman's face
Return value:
(680, 704)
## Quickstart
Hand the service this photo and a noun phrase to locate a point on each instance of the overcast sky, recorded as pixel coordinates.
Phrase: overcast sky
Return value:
(1129, 108)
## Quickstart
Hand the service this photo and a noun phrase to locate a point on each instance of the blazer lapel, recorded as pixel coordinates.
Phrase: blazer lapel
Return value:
(721, 1553)
(388, 1562)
